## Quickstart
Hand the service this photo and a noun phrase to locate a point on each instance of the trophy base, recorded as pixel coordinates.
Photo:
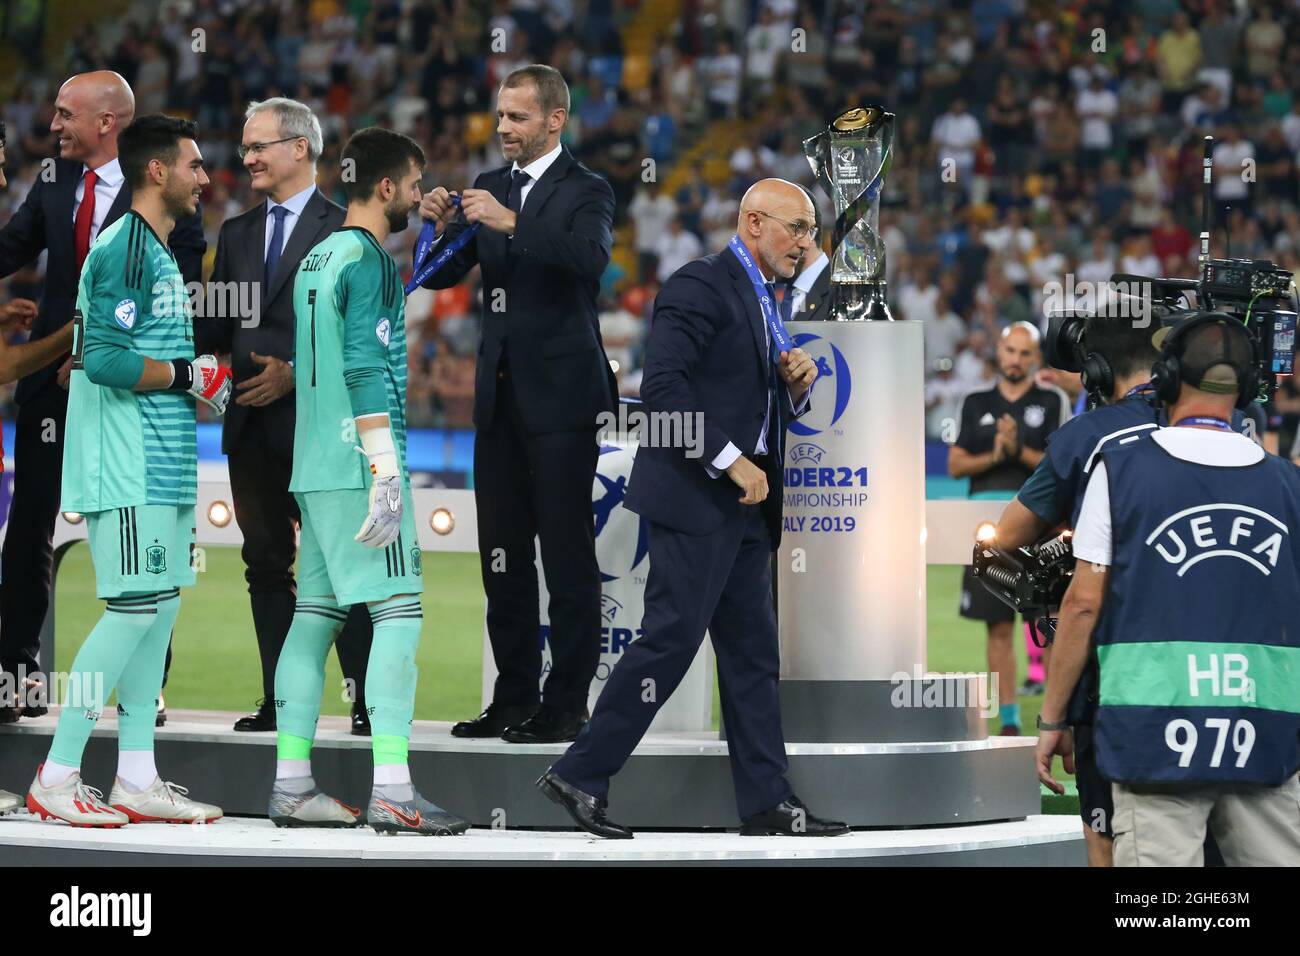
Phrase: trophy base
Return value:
(858, 302)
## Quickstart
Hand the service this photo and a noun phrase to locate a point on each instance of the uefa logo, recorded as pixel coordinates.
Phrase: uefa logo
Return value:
(830, 393)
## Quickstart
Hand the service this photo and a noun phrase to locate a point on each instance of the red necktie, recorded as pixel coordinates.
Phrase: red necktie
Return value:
(85, 218)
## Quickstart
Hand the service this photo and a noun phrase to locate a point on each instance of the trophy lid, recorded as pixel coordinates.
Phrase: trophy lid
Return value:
(858, 118)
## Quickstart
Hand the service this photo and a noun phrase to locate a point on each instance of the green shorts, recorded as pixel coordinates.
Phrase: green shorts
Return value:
(141, 549)
(332, 562)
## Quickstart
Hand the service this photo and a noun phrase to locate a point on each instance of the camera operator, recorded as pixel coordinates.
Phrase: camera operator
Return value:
(1115, 356)
(1197, 714)
(1002, 431)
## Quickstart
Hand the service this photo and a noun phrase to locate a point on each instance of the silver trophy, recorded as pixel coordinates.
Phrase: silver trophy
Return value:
(850, 159)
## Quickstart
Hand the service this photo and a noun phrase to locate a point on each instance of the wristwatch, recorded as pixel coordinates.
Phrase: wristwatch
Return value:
(1051, 725)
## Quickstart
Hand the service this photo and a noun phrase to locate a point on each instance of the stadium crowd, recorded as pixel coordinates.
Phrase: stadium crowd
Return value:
(1034, 140)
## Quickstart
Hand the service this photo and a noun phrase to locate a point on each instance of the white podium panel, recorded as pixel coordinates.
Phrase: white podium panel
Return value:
(851, 567)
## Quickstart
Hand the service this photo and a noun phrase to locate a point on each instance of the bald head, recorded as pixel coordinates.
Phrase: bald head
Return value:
(89, 112)
(777, 197)
(772, 211)
(1018, 356)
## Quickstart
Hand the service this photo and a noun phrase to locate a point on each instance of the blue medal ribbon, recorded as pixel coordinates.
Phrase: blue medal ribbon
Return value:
(1205, 420)
(425, 266)
(780, 337)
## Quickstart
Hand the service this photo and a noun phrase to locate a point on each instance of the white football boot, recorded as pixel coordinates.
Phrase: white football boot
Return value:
(9, 802)
(72, 802)
(161, 803)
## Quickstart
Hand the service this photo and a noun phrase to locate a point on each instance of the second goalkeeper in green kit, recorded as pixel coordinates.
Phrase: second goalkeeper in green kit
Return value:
(358, 542)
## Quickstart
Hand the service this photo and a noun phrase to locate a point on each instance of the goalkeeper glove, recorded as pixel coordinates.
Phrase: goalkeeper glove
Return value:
(205, 378)
(384, 520)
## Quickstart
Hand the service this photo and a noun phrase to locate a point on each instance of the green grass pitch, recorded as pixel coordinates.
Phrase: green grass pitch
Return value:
(215, 662)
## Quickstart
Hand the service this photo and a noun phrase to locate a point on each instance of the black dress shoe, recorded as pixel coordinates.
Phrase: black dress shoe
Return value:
(262, 719)
(33, 706)
(587, 811)
(494, 720)
(547, 726)
(360, 720)
(791, 818)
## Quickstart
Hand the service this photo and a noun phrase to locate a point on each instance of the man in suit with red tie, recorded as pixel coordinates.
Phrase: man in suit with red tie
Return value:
(543, 234)
(717, 350)
(75, 198)
(263, 248)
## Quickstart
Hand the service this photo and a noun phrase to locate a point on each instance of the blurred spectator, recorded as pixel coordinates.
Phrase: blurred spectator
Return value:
(1234, 163)
(722, 71)
(1096, 108)
(617, 152)
(651, 211)
(1263, 41)
(675, 248)
(955, 135)
(1178, 53)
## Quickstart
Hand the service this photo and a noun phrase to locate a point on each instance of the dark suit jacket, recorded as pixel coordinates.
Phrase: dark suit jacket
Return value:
(240, 259)
(707, 352)
(547, 327)
(44, 221)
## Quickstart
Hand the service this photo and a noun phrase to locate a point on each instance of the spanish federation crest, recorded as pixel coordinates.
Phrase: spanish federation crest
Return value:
(155, 559)
(1034, 416)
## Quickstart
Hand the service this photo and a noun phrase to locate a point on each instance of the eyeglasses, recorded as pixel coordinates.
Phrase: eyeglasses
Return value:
(256, 148)
(798, 228)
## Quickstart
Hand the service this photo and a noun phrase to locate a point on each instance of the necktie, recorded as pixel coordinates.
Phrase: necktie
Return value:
(772, 418)
(516, 198)
(85, 219)
(277, 242)
(787, 300)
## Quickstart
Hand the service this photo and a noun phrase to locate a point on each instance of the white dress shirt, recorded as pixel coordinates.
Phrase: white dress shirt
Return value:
(535, 169)
(295, 204)
(107, 186)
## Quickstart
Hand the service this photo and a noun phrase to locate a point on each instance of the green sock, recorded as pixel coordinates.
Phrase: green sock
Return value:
(1010, 714)
(141, 681)
(391, 675)
(300, 675)
(96, 670)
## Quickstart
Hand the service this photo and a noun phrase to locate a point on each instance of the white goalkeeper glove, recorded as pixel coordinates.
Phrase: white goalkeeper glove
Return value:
(384, 520)
(205, 378)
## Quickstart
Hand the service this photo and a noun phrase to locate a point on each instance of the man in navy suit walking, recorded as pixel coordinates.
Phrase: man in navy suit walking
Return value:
(717, 350)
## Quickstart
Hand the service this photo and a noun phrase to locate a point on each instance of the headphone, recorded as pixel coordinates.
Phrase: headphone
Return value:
(1167, 371)
(1097, 377)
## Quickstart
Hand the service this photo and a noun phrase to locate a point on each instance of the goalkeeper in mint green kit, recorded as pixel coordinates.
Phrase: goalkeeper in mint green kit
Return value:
(349, 473)
(129, 465)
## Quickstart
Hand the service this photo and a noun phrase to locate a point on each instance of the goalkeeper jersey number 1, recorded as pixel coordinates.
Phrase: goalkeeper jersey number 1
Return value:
(123, 447)
(349, 327)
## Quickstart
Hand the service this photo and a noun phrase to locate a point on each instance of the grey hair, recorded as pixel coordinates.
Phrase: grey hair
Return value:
(295, 119)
